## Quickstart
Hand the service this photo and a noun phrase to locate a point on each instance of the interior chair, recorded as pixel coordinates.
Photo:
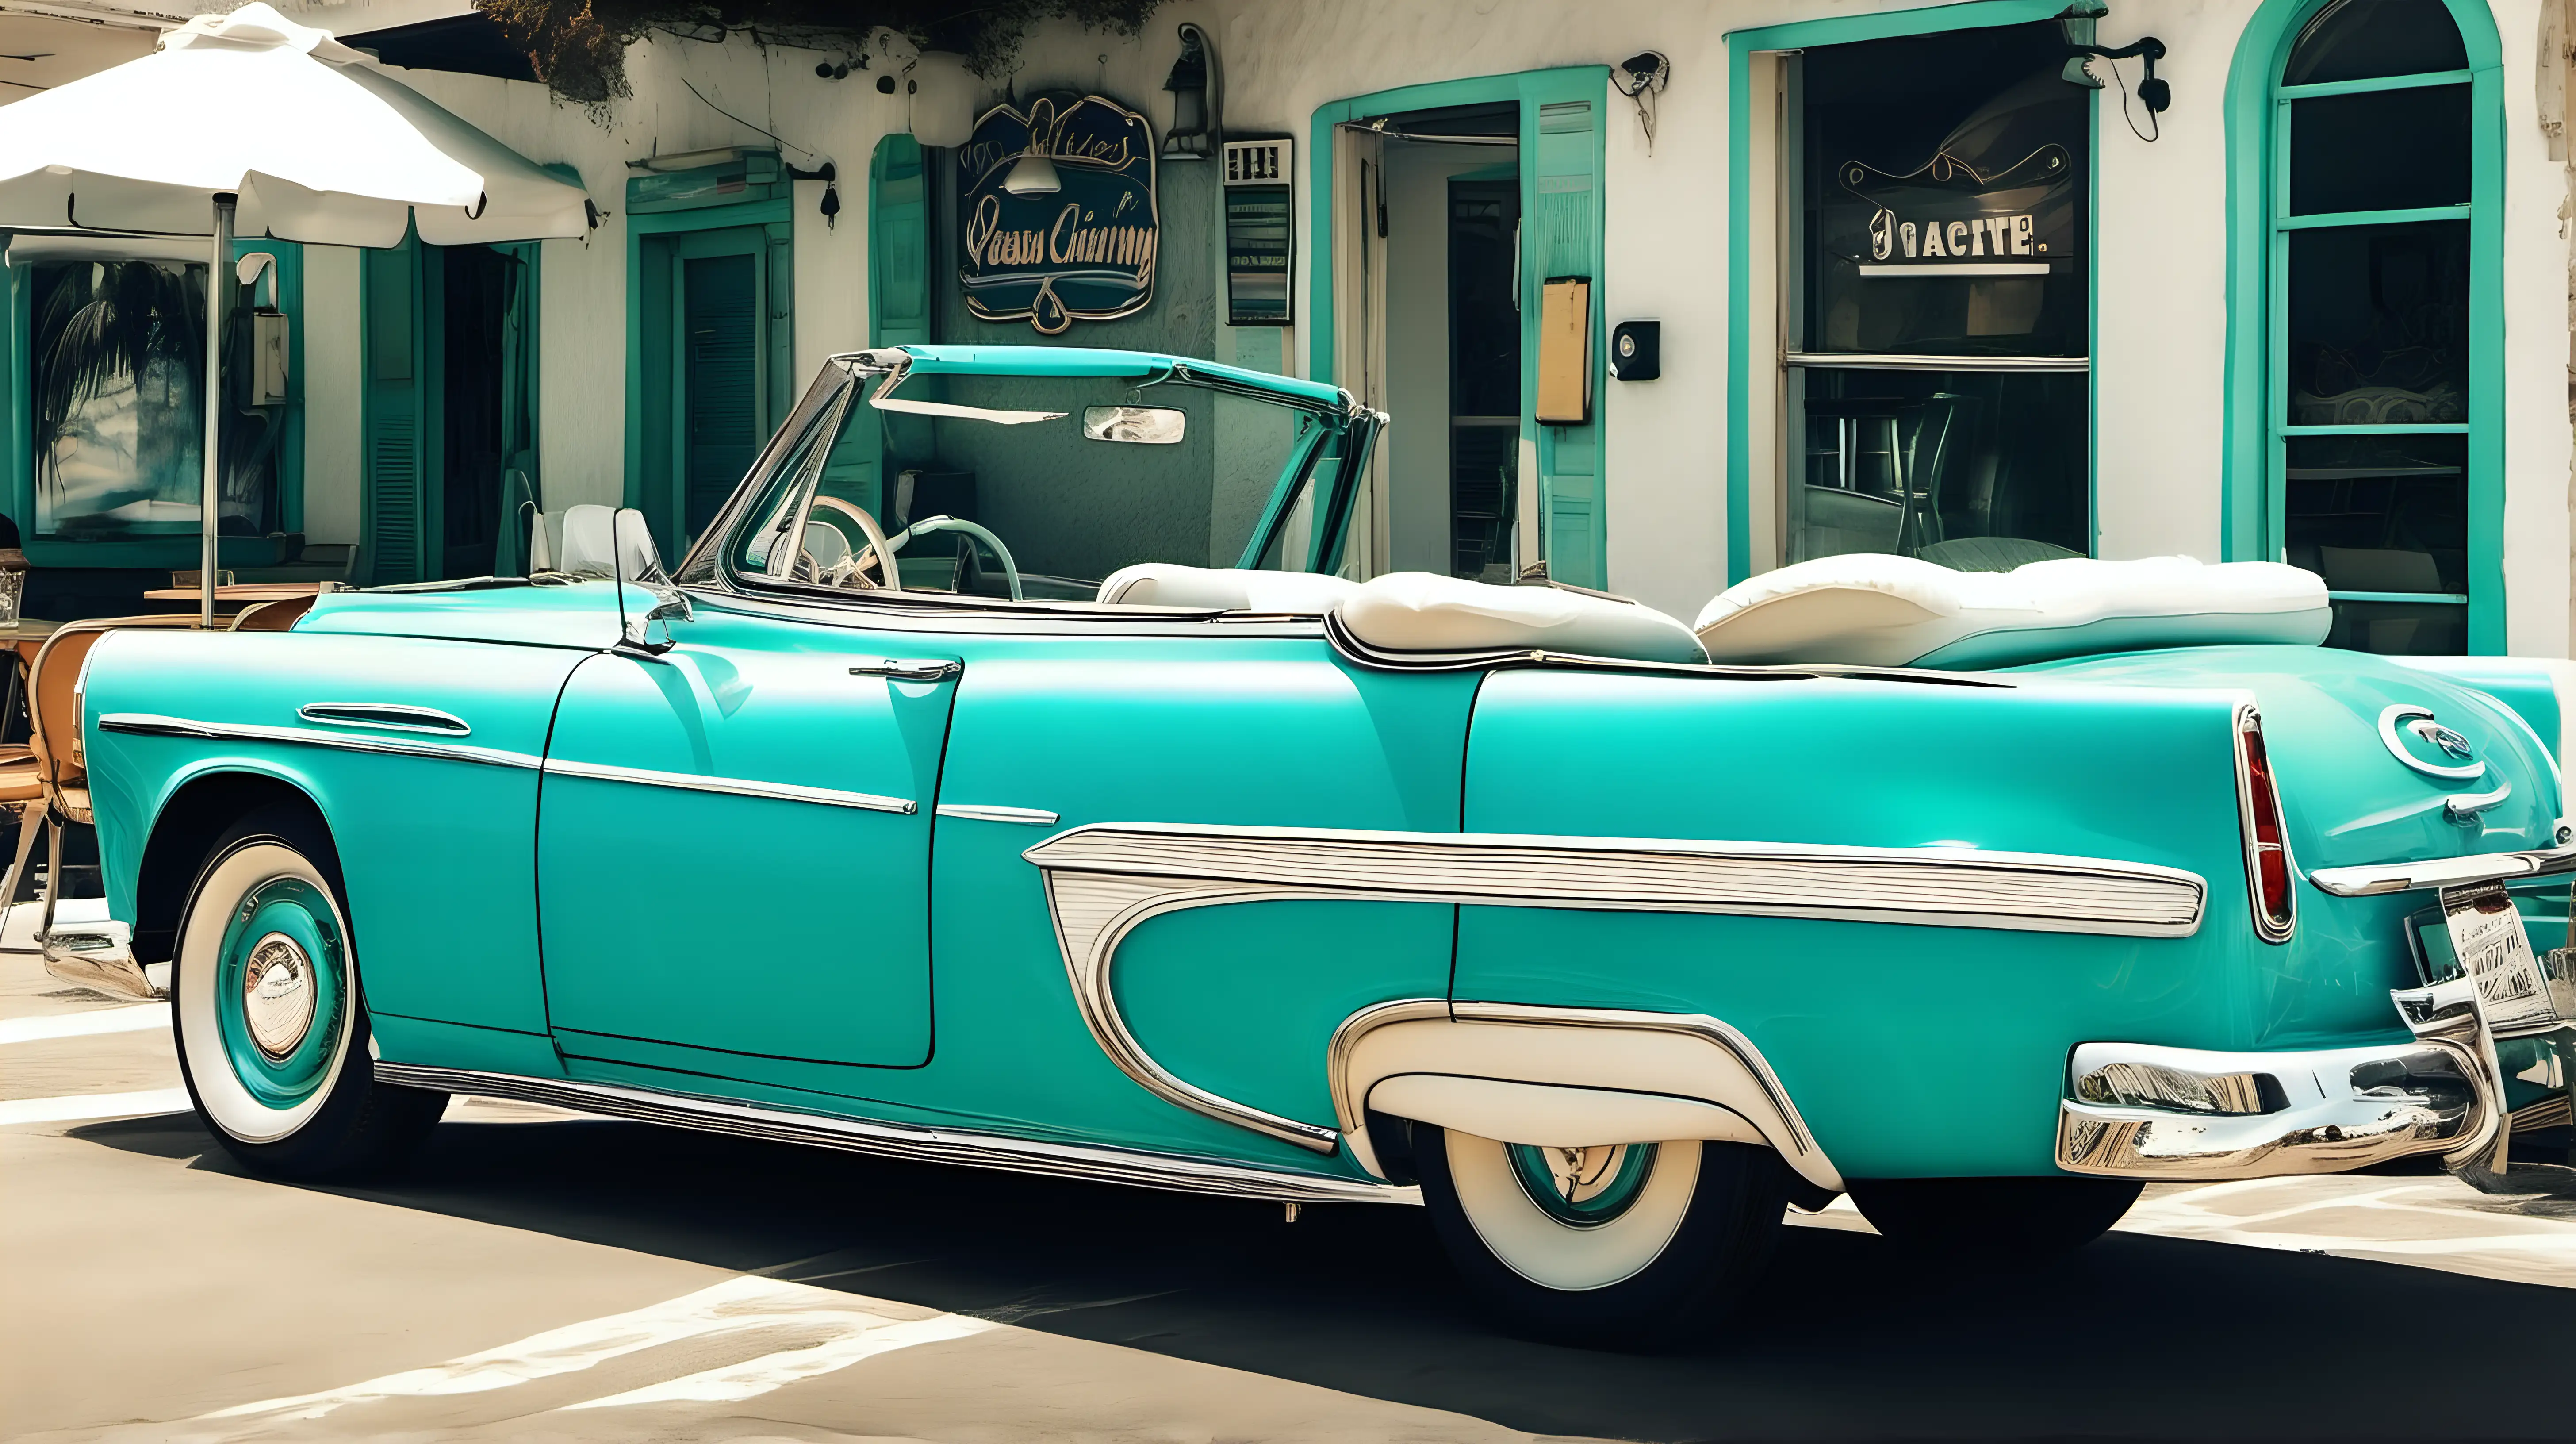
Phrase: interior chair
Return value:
(54, 734)
(277, 616)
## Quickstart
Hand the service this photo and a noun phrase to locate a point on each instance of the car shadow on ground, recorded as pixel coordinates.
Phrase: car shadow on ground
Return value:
(1845, 1337)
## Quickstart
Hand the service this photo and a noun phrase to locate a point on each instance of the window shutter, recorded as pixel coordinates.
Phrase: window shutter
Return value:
(720, 334)
(898, 291)
(391, 414)
(1562, 237)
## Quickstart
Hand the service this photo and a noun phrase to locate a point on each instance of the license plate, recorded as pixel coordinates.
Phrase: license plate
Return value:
(2487, 937)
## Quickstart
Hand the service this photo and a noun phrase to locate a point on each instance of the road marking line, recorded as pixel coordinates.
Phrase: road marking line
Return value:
(134, 1018)
(83, 1106)
(852, 1328)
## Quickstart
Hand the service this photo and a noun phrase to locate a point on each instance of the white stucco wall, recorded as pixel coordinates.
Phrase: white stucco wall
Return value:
(2160, 242)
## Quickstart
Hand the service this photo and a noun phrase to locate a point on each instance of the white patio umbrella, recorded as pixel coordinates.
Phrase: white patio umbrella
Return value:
(251, 124)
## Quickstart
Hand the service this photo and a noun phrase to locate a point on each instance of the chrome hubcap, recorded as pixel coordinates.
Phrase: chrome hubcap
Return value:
(278, 996)
(1580, 1174)
(1583, 1187)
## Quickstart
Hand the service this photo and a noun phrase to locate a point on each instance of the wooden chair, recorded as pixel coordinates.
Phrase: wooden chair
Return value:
(279, 616)
(54, 733)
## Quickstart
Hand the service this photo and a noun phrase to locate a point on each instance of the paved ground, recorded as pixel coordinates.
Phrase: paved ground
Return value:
(541, 1277)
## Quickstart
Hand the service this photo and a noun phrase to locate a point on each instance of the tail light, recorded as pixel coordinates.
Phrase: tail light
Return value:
(2267, 849)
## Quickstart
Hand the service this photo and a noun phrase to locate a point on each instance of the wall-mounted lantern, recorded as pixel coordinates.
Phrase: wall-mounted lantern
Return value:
(1193, 84)
(2077, 22)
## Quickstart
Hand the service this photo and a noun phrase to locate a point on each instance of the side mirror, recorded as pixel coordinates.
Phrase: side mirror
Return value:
(636, 563)
(1139, 425)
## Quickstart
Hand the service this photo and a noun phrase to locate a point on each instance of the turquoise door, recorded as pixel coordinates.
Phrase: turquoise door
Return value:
(733, 853)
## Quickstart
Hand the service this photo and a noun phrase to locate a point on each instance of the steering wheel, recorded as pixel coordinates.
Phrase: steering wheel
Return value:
(878, 550)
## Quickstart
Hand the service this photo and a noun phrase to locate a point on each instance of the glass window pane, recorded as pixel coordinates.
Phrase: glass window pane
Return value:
(2379, 324)
(2381, 150)
(118, 359)
(1976, 470)
(2380, 513)
(2367, 39)
(2402, 629)
(1945, 180)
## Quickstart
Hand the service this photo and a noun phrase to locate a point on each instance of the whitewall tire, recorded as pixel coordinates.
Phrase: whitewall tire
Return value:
(270, 1021)
(1625, 1244)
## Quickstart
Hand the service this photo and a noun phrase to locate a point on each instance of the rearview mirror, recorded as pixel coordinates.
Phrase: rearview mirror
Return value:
(635, 562)
(1141, 425)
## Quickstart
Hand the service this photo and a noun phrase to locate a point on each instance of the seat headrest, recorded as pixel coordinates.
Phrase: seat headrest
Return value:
(1874, 609)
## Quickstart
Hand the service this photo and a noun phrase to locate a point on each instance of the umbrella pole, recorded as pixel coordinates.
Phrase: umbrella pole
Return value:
(219, 289)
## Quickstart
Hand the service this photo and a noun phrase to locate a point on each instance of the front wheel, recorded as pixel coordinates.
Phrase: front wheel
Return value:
(271, 1025)
(1626, 1244)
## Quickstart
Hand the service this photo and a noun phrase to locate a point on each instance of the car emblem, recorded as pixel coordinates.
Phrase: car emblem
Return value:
(2404, 720)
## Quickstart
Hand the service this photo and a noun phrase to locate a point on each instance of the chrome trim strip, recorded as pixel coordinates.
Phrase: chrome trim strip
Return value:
(978, 812)
(731, 786)
(391, 716)
(1346, 1043)
(107, 968)
(1172, 1172)
(1384, 660)
(2372, 879)
(147, 724)
(1106, 879)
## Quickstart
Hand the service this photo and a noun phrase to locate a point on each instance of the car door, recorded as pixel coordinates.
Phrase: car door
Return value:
(733, 852)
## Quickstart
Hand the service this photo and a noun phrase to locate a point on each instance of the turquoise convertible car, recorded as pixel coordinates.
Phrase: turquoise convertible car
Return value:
(1060, 797)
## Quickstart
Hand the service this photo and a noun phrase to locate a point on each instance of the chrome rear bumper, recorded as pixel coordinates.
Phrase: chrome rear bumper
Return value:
(2135, 1110)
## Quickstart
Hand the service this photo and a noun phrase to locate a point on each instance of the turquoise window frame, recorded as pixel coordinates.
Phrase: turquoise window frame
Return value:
(1529, 90)
(778, 217)
(2252, 488)
(17, 372)
(1741, 47)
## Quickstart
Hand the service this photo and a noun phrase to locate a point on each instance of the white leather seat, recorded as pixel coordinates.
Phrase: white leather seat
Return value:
(1426, 612)
(1872, 609)
(1224, 589)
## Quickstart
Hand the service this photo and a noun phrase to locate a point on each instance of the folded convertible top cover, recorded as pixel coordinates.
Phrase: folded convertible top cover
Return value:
(1426, 612)
(1873, 609)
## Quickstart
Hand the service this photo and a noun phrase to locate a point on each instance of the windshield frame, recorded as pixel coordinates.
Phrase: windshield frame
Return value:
(1332, 428)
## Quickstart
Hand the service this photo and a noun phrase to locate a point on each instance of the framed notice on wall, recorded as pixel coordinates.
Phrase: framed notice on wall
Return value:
(1260, 228)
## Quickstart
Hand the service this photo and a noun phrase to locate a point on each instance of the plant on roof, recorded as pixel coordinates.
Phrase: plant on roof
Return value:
(578, 47)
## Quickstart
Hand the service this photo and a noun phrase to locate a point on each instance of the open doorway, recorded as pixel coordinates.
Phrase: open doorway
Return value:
(1438, 339)
(487, 451)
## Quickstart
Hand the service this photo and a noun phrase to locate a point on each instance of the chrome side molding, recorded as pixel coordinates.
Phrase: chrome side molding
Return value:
(148, 724)
(732, 786)
(1176, 1173)
(979, 812)
(1107, 879)
(391, 716)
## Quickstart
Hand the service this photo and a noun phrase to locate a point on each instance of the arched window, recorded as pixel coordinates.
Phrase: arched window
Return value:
(2382, 447)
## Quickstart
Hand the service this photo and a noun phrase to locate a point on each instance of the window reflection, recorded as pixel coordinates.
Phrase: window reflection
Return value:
(2368, 39)
(1976, 470)
(2379, 324)
(2377, 515)
(2381, 150)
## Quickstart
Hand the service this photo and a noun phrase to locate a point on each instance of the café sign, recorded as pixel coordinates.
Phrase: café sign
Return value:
(1057, 211)
(1949, 218)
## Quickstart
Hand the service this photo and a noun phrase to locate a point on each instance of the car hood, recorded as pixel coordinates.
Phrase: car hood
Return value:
(2346, 797)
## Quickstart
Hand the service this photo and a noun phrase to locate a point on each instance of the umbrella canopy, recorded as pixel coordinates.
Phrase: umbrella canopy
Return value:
(250, 123)
(318, 144)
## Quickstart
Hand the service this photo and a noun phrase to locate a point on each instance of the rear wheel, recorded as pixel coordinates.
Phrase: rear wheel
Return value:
(1626, 1244)
(270, 1021)
(2033, 1217)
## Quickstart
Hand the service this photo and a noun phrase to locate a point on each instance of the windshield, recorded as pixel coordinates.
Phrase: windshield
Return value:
(1040, 488)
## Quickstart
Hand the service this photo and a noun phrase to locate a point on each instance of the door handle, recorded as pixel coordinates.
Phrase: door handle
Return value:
(909, 669)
